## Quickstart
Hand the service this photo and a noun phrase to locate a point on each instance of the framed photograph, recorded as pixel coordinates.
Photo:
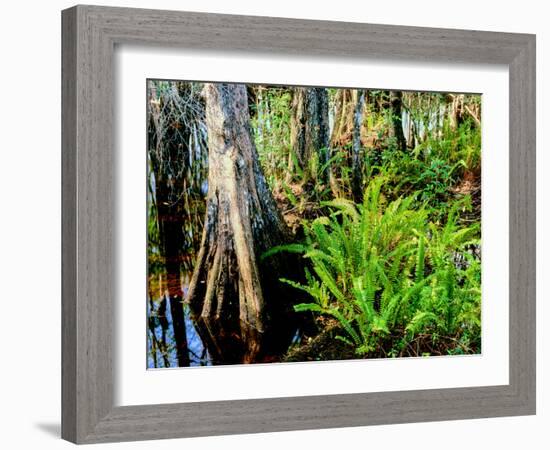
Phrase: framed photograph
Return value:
(268, 230)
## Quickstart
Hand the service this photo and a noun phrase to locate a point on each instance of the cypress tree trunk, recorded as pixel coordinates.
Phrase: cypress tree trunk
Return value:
(309, 132)
(234, 297)
(318, 126)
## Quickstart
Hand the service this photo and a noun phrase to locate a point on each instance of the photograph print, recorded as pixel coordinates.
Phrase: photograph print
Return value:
(300, 224)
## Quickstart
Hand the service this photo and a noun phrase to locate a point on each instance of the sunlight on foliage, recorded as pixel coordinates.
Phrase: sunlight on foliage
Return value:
(387, 274)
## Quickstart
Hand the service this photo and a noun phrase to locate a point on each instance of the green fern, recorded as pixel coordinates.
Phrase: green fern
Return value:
(382, 269)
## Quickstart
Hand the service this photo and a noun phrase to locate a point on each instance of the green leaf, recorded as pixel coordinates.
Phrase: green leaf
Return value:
(288, 248)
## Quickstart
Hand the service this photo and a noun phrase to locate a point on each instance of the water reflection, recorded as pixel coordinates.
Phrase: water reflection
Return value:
(206, 342)
(161, 342)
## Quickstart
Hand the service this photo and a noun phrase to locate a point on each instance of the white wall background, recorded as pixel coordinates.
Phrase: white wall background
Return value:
(30, 224)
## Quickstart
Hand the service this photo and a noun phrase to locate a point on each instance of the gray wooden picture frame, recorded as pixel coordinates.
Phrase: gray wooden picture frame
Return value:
(90, 34)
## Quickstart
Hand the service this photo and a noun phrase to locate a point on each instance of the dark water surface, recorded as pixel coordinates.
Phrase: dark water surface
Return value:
(162, 332)
(161, 348)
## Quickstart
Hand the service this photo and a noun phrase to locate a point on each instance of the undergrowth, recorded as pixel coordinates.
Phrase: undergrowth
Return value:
(389, 276)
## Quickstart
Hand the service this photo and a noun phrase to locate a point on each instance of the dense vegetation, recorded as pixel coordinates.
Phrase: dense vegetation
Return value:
(377, 253)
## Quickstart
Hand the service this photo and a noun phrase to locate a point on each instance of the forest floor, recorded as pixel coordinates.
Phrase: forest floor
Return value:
(470, 185)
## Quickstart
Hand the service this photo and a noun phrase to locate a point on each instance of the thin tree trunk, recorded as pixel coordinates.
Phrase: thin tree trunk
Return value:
(318, 137)
(356, 166)
(342, 133)
(455, 101)
(297, 152)
(338, 107)
(396, 99)
(234, 296)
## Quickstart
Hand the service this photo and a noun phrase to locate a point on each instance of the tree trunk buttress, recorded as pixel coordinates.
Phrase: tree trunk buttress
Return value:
(233, 296)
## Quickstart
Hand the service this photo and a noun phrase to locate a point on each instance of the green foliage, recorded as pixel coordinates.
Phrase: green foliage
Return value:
(441, 152)
(432, 178)
(270, 120)
(385, 273)
(462, 144)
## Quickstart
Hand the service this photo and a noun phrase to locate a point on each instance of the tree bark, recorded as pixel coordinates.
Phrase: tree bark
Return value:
(309, 130)
(343, 119)
(318, 126)
(356, 166)
(233, 296)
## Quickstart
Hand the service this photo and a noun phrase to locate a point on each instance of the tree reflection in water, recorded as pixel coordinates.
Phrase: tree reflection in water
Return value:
(161, 342)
